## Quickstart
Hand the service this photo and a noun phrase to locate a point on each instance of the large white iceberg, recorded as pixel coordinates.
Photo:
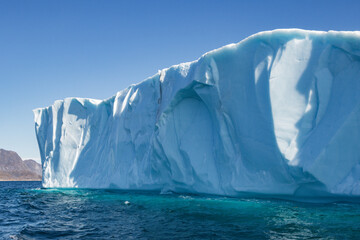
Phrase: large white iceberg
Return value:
(277, 113)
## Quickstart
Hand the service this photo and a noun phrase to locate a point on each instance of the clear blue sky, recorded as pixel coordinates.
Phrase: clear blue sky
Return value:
(54, 49)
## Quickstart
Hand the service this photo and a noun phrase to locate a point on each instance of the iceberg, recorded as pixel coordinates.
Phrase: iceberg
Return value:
(277, 113)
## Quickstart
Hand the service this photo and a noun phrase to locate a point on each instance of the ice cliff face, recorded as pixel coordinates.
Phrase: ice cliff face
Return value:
(277, 113)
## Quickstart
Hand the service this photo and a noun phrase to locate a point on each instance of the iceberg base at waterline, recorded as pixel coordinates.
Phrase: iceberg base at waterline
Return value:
(277, 113)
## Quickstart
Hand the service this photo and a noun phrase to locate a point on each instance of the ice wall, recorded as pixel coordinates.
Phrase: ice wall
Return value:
(276, 113)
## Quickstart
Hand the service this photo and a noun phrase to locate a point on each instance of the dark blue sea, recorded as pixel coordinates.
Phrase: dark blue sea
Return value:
(29, 212)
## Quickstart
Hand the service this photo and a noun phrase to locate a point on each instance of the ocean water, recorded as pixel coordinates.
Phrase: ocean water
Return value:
(29, 212)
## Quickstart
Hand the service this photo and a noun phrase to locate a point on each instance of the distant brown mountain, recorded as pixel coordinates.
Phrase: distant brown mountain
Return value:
(13, 168)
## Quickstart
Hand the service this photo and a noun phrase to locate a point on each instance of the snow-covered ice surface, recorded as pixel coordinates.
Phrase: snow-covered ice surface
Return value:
(277, 113)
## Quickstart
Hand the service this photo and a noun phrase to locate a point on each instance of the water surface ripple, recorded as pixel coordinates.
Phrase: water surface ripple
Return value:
(29, 212)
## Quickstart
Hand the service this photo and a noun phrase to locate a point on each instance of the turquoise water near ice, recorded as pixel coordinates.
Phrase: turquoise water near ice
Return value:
(29, 212)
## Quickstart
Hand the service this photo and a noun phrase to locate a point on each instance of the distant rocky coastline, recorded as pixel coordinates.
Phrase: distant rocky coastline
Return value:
(13, 168)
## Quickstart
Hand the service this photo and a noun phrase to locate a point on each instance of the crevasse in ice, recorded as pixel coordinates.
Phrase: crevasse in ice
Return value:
(277, 113)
